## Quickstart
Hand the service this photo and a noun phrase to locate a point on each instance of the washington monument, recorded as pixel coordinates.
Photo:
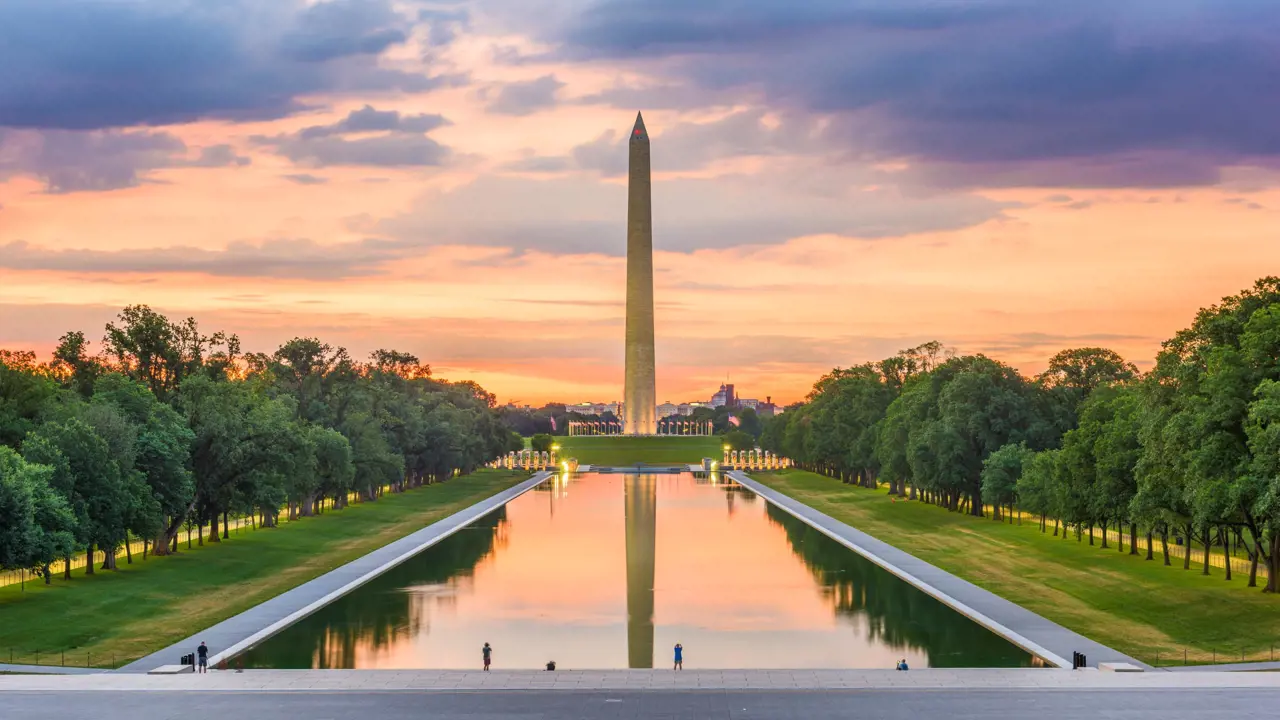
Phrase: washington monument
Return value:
(639, 396)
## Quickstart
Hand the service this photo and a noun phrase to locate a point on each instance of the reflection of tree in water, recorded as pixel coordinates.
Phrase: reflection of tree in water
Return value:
(734, 493)
(896, 614)
(390, 608)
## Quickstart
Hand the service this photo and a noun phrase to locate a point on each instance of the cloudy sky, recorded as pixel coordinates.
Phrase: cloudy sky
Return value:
(834, 179)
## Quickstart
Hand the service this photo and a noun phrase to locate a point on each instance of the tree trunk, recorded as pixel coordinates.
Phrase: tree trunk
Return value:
(1133, 538)
(1205, 540)
(1273, 564)
(199, 534)
(213, 528)
(48, 576)
(1104, 535)
(1056, 524)
(1226, 551)
(225, 535)
(1164, 542)
(66, 568)
(1254, 554)
(88, 560)
(128, 551)
(1186, 558)
(1150, 544)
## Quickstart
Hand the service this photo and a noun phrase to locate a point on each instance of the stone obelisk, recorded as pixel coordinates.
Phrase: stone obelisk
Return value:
(639, 395)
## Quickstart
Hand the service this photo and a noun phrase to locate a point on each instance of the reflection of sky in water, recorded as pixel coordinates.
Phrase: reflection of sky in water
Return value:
(610, 571)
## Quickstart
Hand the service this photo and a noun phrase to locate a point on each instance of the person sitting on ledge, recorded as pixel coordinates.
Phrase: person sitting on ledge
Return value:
(902, 664)
(551, 665)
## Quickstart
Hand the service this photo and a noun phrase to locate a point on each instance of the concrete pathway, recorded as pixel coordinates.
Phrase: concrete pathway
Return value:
(1033, 633)
(254, 625)
(589, 680)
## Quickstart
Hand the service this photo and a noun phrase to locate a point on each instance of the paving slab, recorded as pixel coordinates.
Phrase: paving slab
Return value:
(640, 680)
(236, 634)
(1033, 633)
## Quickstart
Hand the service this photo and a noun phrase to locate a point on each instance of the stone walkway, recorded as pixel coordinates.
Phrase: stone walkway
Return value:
(1044, 638)
(589, 680)
(235, 634)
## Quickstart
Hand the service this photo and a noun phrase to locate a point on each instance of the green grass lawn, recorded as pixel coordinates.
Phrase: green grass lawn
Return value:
(1136, 606)
(147, 606)
(615, 450)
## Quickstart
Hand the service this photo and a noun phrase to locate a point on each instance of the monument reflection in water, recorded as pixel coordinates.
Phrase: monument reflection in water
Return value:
(611, 571)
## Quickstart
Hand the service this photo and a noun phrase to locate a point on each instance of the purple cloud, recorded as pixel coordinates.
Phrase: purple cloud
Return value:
(84, 64)
(1148, 92)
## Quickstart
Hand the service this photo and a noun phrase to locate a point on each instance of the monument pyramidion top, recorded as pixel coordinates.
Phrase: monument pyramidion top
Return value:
(639, 133)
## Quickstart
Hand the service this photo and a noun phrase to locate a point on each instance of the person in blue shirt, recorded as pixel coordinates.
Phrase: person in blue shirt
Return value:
(679, 657)
(902, 664)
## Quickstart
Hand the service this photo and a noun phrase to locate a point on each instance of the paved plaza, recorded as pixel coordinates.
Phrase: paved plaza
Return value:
(745, 695)
(637, 680)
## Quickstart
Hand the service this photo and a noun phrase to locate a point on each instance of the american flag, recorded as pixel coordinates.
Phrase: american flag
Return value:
(733, 420)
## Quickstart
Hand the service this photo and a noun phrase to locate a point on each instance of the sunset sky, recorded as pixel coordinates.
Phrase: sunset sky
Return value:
(834, 180)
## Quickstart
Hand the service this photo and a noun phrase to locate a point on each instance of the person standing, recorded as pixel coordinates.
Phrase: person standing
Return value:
(679, 657)
(202, 658)
(488, 654)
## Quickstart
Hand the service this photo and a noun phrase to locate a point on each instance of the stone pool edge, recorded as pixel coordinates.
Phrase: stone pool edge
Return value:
(271, 616)
(945, 587)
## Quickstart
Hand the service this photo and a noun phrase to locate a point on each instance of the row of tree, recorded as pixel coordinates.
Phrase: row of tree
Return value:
(1191, 448)
(167, 427)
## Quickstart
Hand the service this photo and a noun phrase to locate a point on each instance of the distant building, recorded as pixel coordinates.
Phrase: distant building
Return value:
(725, 397)
(667, 409)
(748, 403)
(588, 408)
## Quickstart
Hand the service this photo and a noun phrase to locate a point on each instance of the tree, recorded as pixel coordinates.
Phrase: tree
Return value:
(24, 393)
(1035, 487)
(541, 442)
(738, 440)
(36, 526)
(946, 423)
(88, 477)
(160, 354)
(1001, 472)
(1261, 486)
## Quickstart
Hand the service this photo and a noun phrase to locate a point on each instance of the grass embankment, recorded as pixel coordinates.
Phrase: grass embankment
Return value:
(150, 605)
(1136, 606)
(615, 450)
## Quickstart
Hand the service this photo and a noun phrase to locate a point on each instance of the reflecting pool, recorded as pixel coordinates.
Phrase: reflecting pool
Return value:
(612, 570)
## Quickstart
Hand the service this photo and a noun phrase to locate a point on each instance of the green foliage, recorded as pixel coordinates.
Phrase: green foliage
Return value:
(738, 440)
(170, 427)
(1190, 449)
(24, 393)
(1001, 473)
(36, 526)
(541, 442)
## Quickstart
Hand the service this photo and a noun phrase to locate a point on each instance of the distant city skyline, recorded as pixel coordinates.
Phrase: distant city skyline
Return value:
(452, 183)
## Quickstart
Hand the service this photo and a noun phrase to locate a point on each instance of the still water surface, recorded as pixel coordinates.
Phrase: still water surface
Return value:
(611, 571)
